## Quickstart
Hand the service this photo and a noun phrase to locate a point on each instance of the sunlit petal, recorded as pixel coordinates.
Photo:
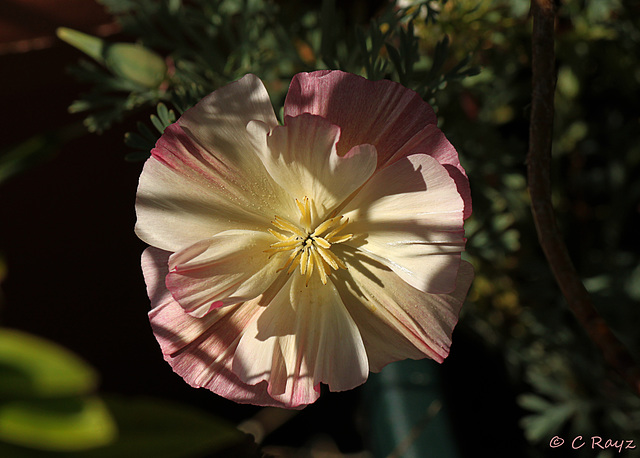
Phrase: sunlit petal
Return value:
(228, 268)
(200, 349)
(204, 176)
(304, 337)
(409, 216)
(414, 324)
(301, 156)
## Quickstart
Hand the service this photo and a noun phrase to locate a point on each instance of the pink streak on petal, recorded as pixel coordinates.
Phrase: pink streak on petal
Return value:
(200, 350)
(185, 194)
(381, 113)
(397, 321)
(228, 268)
(218, 122)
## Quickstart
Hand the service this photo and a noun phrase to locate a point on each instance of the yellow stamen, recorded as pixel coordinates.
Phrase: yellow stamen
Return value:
(308, 247)
(322, 270)
(322, 242)
(285, 225)
(305, 212)
(336, 230)
(328, 256)
(326, 225)
(278, 235)
(342, 238)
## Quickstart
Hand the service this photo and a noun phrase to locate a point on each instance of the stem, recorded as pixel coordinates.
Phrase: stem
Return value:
(539, 177)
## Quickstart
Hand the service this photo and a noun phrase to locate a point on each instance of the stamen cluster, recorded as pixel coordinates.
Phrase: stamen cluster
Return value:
(309, 247)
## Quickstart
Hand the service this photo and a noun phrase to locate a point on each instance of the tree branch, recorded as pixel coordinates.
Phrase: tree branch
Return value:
(539, 177)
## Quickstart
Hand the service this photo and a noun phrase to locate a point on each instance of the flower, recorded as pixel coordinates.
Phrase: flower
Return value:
(286, 256)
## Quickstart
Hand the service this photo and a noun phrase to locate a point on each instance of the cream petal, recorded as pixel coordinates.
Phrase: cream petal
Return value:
(381, 113)
(430, 140)
(228, 268)
(201, 350)
(301, 156)
(396, 320)
(409, 216)
(303, 338)
(204, 176)
(218, 122)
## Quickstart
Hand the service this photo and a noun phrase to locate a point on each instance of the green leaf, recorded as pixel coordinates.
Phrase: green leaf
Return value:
(31, 367)
(67, 424)
(162, 429)
(136, 63)
(547, 423)
(88, 44)
(533, 403)
(130, 61)
(157, 123)
(166, 116)
(20, 157)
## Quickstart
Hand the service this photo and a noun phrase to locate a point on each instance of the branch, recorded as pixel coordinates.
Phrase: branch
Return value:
(539, 177)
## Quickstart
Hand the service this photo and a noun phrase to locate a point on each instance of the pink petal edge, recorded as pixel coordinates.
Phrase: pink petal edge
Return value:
(201, 350)
(385, 114)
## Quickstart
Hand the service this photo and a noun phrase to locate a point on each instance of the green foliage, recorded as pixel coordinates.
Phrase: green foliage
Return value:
(32, 367)
(208, 43)
(161, 429)
(48, 407)
(144, 140)
(46, 400)
(565, 386)
(389, 48)
(56, 424)
(128, 61)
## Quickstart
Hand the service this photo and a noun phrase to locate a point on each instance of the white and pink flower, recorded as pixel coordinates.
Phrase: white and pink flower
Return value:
(283, 257)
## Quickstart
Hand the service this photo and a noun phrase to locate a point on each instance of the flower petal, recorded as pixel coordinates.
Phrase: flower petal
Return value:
(409, 216)
(228, 268)
(301, 156)
(218, 122)
(381, 113)
(396, 320)
(430, 140)
(303, 338)
(204, 177)
(201, 349)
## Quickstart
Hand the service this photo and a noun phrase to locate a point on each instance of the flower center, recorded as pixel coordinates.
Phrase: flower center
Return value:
(310, 247)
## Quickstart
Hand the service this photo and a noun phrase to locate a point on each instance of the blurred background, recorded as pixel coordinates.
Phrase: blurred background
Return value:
(521, 370)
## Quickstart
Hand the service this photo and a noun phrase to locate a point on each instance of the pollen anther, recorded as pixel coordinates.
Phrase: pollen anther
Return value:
(309, 247)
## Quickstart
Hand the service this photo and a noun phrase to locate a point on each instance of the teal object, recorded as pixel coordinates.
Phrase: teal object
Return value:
(407, 414)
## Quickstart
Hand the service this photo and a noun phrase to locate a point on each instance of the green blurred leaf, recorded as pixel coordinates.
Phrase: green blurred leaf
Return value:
(90, 45)
(162, 429)
(157, 123)
(67, 424)
(130, 61)
(136, 63)
(533, 402)
(549, 422)
(31, 367)
(167, 116)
